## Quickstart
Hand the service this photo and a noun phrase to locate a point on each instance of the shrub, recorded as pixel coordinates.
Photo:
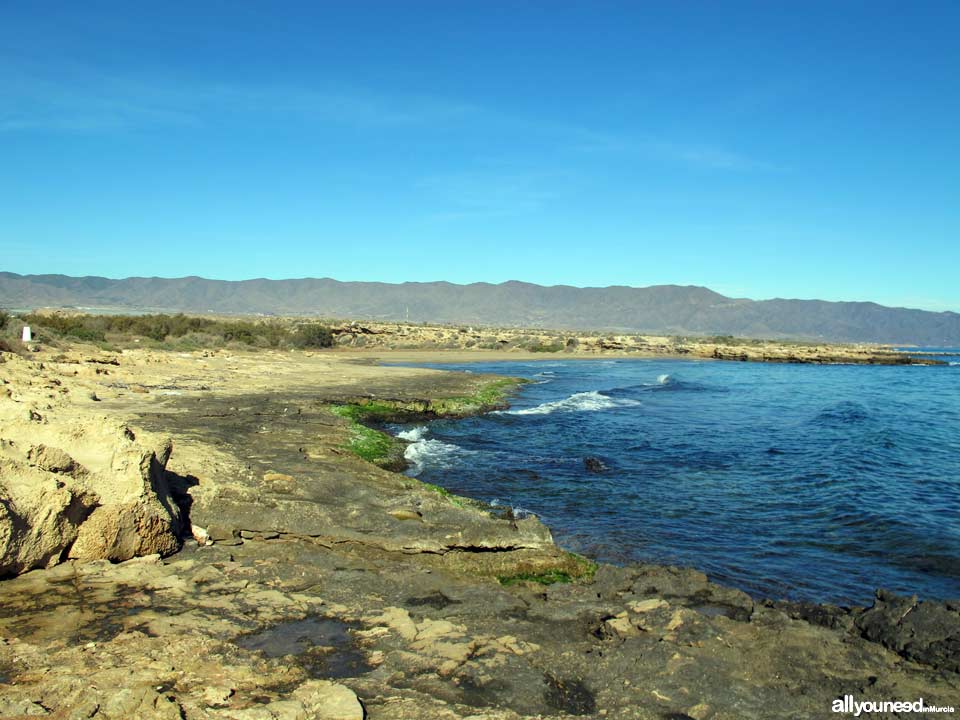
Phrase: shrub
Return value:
(86, 334)
(541, 347)
(75, 326)
(240, 332)
(187, 331)
(313, 335)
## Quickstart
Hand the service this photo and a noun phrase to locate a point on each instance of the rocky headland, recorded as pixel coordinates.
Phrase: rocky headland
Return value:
(179, 332)
(222, 534)
(412, 337)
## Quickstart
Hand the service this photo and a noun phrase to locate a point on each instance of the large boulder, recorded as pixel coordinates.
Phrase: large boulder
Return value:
(136, 515)
(40, 516)
(54, 508)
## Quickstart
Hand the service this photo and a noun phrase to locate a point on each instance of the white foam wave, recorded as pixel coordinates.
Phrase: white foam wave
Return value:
(413, 434)
(425, 451)
(664, 379)
(578, 402)
(518, 512)
(954, 364)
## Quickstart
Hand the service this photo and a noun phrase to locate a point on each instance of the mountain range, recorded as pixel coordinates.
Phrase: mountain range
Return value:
(660, 309)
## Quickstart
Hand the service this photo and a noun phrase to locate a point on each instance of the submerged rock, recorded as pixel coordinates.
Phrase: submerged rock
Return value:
(594, 465)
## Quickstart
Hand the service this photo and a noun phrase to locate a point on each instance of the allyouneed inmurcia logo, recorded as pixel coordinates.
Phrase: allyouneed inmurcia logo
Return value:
(847, 704)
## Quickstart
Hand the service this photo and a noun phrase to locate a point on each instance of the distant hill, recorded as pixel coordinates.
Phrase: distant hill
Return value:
(664, 309)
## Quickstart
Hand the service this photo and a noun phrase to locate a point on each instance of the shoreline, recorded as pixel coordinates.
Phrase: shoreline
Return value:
(460, 358)
(214, 332)
(450, 609)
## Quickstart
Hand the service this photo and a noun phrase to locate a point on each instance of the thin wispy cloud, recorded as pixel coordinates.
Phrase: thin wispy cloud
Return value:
(709, 158)
(85, 100)
(80, 101)
(702, 156)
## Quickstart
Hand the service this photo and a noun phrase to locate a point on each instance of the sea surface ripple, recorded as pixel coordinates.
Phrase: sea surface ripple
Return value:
(807, 482)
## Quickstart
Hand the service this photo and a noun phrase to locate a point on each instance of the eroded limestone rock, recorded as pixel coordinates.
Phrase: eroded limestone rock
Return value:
(40, 516)
(53, 507)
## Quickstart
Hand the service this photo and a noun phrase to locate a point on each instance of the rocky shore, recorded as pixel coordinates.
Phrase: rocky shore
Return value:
(407, 336)
(217, 535)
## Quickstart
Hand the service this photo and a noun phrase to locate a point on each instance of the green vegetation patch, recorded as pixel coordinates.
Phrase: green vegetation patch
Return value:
(183, 331)
(572, 568)
(367, 441)
(492, 395)
(585, 568)
(454, 500)
(545, 578)
(373, 411)
(375, 447)
(546, 348)
(312, 335)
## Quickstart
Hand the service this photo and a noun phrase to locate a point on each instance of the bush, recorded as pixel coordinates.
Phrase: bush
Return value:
(543, 348)
(11, 346)
(187, 331)
(313, 335)
(86, 334)
(75, 326)
(4, 317)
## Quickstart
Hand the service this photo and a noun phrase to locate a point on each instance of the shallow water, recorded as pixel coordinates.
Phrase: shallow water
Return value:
(799, 481)
(322, 646)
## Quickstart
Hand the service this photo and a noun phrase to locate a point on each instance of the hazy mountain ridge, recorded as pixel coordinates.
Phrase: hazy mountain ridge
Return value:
(668, 309)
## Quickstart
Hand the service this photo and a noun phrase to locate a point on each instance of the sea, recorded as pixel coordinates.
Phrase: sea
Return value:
(802, 482)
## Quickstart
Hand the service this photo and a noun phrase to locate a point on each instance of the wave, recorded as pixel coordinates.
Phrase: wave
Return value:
(518, 513)
(954, 364)
(665, 383)
(413, 434)
(423, 451)
(578, 402)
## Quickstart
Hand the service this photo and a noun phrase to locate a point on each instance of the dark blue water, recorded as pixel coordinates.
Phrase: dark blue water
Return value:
(798, 481)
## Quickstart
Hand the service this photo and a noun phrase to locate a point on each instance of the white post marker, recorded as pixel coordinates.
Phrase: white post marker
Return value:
(27, 335)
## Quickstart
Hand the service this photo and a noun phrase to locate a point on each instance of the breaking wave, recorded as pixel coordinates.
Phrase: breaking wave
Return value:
(413, 434)
(516, 511)
(578, 402)
(423, 452)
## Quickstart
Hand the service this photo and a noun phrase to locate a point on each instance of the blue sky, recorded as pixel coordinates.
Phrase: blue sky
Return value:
(768, 149)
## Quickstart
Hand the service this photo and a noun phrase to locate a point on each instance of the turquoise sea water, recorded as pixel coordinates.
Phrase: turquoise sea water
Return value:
(799, 481)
